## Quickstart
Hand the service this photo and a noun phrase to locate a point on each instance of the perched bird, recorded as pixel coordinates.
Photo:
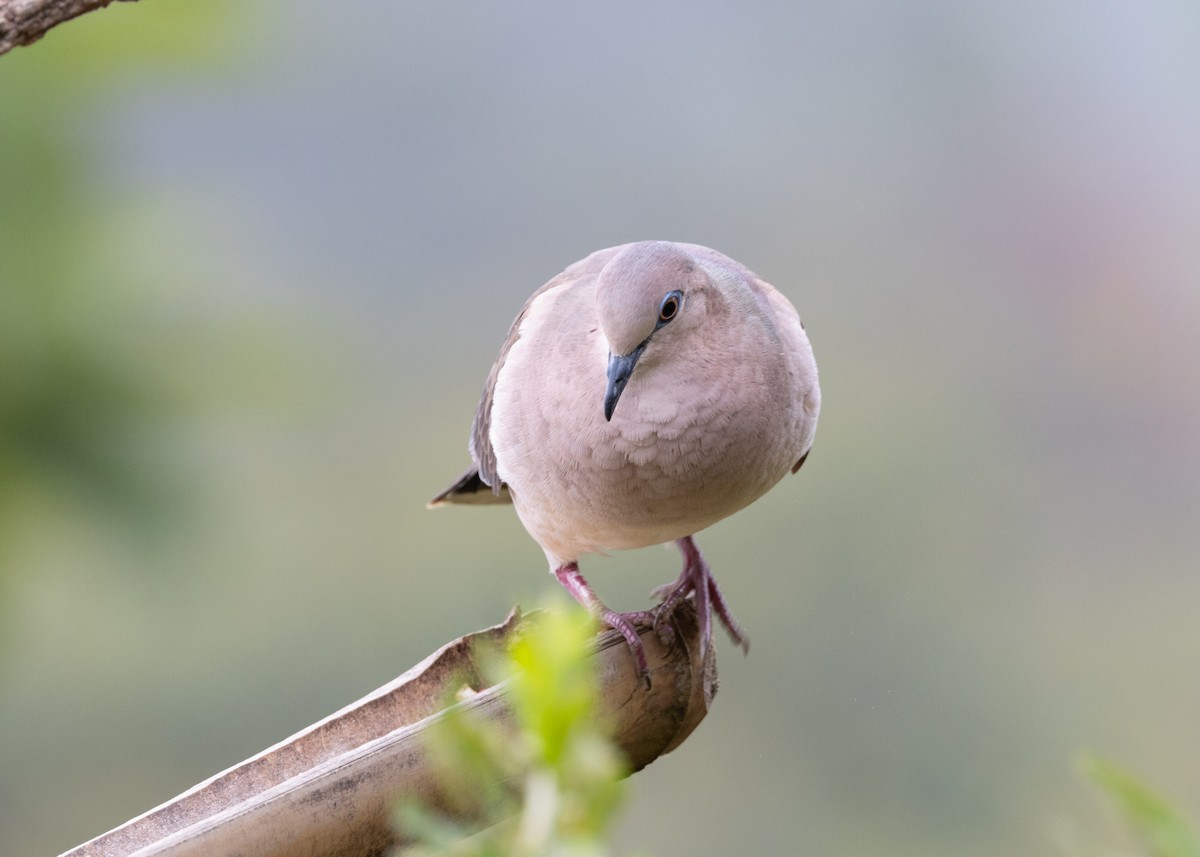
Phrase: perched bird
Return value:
(643, 394)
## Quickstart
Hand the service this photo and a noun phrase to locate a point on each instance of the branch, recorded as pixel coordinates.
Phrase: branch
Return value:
(23, 22)
(328, 790)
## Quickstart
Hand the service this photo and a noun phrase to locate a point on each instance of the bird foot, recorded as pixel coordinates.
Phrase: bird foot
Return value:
(696, 579)
(655, 619)
(623, 623)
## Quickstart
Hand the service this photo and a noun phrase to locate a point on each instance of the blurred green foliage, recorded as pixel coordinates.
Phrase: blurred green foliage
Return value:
(87, 360)
(549, 784)
(1161, 829)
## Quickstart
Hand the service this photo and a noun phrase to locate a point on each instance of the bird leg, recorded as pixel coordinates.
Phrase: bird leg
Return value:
(568, 575)
(697, 578)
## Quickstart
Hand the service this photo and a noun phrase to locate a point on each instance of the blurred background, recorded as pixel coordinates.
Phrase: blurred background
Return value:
(256, 262)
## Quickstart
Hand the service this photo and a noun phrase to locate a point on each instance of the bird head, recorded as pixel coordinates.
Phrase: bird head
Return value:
(642, 290)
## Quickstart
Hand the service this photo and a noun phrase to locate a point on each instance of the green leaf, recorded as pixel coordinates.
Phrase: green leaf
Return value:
(1152, 819)
(548, 784)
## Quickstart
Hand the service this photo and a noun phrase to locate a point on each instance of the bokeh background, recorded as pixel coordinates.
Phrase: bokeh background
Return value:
(256, 261)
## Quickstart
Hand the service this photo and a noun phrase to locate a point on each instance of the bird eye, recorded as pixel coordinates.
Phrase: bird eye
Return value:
(669, 308)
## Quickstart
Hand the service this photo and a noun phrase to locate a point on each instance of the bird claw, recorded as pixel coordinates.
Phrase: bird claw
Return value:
(622, 623)
(568, 575)
(696, 580)
(664, 629)
(663, 592)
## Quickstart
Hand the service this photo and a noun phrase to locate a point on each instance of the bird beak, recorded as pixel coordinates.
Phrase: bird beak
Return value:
(619, 370)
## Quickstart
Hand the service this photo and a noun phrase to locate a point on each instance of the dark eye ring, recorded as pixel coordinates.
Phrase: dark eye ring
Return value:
(669, 308)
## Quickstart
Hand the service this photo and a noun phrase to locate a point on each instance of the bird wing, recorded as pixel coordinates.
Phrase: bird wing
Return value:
(469, 487)
(790, 328)
(802, 366)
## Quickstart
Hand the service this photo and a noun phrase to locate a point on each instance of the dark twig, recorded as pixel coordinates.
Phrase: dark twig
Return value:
(23, 22)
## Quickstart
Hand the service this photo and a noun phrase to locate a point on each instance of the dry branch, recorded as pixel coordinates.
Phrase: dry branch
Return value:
(23, 22)
(328, 789)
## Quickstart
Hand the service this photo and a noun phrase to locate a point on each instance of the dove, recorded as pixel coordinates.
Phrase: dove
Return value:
(643, 394)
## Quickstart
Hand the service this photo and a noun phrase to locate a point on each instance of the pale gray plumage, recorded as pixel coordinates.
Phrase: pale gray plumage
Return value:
(709, 407)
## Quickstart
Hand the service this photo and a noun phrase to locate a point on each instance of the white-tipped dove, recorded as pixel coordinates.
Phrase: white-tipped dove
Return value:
(643, 394)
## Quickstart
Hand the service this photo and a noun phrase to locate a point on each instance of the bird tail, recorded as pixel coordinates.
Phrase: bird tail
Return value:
(471, 490)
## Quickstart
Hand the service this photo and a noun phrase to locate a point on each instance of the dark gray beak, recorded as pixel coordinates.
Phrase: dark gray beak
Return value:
(619, 370)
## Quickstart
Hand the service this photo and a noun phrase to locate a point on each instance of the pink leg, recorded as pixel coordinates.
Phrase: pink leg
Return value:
(696, 577)
(568, 575)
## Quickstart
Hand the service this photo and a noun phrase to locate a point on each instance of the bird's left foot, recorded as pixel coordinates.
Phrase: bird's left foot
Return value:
(568, 575)
(697, 578)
